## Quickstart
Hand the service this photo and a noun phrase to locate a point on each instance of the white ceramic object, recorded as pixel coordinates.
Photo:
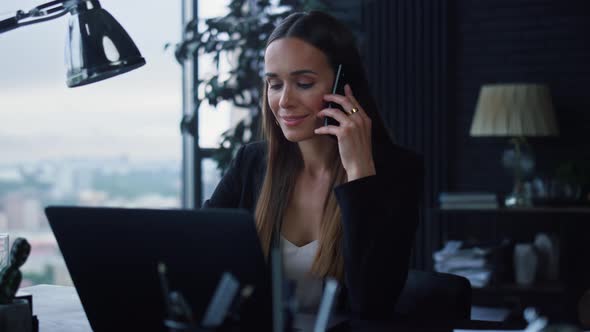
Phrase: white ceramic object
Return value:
(526, 262)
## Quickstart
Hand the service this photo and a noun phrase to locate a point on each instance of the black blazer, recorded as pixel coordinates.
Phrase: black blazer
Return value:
(380, 214)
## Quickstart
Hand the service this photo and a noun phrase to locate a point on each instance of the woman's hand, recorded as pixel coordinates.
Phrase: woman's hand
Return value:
(353, 134)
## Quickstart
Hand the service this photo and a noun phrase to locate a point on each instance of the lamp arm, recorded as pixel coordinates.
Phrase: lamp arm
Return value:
(8, 24)
(47, 11)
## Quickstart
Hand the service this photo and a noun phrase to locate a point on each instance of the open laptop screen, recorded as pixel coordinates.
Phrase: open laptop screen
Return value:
(112, 255)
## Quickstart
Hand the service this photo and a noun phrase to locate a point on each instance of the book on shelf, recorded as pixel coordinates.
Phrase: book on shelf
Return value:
(461, 197)
(468, 200)
(469, 205)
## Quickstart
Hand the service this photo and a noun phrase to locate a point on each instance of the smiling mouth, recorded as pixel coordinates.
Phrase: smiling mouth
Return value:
(293, 120)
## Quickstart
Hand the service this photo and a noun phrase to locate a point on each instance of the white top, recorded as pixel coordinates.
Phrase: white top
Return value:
(297, 262)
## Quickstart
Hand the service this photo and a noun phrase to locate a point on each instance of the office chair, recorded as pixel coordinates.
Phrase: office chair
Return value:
(435, 296)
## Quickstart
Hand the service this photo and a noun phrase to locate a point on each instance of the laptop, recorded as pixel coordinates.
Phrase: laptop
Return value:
(112, 255)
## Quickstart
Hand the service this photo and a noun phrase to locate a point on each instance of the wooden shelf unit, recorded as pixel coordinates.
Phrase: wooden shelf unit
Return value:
(570, 224)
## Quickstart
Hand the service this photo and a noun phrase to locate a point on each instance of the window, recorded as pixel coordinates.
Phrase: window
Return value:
(213, 121)
(112, 143)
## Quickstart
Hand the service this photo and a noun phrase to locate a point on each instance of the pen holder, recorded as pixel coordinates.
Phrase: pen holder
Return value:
(175, 326)
(16, 316)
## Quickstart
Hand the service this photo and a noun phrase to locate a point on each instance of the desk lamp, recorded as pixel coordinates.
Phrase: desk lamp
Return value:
(97, 46)
(516, 111)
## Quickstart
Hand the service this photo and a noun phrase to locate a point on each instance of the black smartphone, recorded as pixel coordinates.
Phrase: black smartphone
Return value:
(337, 88)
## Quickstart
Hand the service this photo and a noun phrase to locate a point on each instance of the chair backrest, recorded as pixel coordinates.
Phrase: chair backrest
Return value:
(435, 296)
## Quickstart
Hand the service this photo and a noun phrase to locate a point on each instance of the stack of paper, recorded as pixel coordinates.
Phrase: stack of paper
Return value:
(469, 263)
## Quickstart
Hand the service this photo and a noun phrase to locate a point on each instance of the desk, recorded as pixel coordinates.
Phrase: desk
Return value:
(58, 308)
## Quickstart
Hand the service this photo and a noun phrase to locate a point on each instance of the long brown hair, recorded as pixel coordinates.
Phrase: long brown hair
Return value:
(284, 161)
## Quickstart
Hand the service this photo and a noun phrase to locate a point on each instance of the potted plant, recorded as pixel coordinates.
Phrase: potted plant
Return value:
(239, 36)
(574, 178)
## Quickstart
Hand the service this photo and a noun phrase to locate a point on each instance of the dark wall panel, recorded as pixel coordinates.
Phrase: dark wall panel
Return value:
(406, 53)
(427, 61)
(531, 41)
(537, 41)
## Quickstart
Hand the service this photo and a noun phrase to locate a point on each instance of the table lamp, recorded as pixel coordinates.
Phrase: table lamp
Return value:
(516, 111)
(97, 46)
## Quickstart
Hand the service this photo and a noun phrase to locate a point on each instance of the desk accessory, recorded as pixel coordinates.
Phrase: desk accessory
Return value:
(180, 316)
(15, 314)
(222, 313)
(29, 298)
(326, 305)
(10, 276)
(536, 322)
(4, 251)
(539, 323)
(284, 303)
(526, 263)
(221, 302)
(278, 321)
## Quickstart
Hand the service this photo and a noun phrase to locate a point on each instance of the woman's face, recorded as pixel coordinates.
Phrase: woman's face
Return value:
(297, 75)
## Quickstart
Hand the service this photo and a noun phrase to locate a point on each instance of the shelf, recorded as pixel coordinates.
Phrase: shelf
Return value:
(530, 210)
(548, 288)
(549, 297)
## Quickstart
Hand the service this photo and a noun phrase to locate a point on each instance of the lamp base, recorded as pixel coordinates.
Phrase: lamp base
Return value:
(518, 159)
(521, 162)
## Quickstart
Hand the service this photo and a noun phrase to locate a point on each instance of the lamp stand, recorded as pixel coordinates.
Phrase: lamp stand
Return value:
(519, 162)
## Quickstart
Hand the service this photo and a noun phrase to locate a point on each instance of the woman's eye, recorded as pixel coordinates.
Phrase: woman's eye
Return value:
(305, 85)
(275, 86)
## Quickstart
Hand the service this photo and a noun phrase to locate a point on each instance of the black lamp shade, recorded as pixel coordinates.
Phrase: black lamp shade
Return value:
(97, 46)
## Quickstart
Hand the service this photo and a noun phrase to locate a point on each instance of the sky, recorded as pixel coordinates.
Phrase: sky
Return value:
(136, 114)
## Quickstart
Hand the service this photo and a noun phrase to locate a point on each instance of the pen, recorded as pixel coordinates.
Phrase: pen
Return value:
(164, 286)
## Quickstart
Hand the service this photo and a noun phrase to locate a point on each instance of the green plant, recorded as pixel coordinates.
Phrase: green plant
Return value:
(240, 37)
(574, 172)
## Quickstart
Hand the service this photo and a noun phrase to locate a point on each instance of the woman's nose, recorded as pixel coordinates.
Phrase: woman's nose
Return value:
(286, 98)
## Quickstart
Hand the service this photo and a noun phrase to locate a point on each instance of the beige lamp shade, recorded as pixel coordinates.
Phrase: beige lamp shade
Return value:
(514, 110)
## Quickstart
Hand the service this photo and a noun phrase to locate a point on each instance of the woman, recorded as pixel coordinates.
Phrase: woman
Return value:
(343, 197)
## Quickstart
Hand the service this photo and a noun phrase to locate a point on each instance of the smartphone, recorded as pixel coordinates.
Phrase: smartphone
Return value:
(337, 88)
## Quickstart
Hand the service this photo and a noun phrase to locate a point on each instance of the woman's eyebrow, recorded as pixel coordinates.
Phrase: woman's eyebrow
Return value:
(303, 71)
(293, 73)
